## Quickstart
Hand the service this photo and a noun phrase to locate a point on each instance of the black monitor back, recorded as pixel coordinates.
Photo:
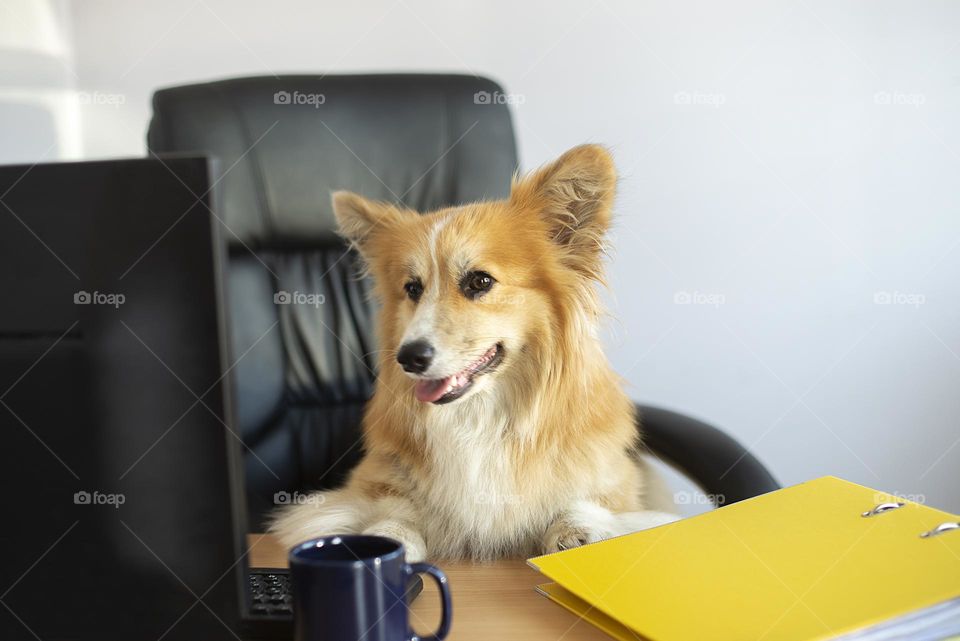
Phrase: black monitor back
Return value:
(118, 465)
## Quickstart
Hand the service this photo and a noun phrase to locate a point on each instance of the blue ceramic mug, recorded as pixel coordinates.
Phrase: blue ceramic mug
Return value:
(353, 588)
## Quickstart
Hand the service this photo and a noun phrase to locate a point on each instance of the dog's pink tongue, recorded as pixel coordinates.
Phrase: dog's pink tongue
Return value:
(429, 391)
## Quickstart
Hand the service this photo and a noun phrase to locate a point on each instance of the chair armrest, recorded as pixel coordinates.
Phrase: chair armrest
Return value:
(716, 462)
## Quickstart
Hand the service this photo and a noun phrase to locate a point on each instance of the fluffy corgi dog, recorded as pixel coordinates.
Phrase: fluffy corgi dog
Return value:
(497, 427)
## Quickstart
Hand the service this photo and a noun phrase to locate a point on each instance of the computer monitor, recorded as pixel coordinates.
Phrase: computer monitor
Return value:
(122, 474)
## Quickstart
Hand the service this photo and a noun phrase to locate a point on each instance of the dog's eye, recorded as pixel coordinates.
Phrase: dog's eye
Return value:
(476, 284)
(414, 289)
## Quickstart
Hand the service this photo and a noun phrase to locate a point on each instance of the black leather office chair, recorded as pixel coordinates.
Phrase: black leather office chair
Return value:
(303, 372)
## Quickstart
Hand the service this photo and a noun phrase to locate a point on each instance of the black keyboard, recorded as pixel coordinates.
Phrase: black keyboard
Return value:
(269, 595)
(269, 592)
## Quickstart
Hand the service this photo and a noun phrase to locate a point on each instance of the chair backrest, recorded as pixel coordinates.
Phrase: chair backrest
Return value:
(300, 319)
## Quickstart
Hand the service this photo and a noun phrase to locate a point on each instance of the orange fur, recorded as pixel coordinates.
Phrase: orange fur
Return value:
(539, 454)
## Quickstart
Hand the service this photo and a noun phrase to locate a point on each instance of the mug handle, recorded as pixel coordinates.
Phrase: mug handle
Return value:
(444, 586)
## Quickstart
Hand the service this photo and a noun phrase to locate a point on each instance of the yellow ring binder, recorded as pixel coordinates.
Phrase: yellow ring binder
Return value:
(798, 564)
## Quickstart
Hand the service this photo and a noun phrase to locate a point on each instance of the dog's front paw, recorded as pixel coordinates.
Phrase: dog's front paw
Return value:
(414, 546)
(322, 515)
(564, 536)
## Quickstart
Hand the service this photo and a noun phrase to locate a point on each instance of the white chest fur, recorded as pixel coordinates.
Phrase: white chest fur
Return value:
(472, 503)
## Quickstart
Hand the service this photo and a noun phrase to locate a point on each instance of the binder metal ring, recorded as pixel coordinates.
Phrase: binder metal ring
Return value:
(883, 507)
(940, 529)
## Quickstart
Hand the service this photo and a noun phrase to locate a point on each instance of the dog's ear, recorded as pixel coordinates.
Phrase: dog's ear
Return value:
(574, 195)
(359, 218)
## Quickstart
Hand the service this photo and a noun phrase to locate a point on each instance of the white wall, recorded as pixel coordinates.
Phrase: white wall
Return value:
(39, 105)
(784, 163)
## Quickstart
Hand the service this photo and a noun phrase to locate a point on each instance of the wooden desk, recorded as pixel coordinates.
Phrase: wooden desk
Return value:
(494, 602)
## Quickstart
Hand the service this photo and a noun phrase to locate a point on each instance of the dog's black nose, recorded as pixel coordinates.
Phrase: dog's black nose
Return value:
(415, 356)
